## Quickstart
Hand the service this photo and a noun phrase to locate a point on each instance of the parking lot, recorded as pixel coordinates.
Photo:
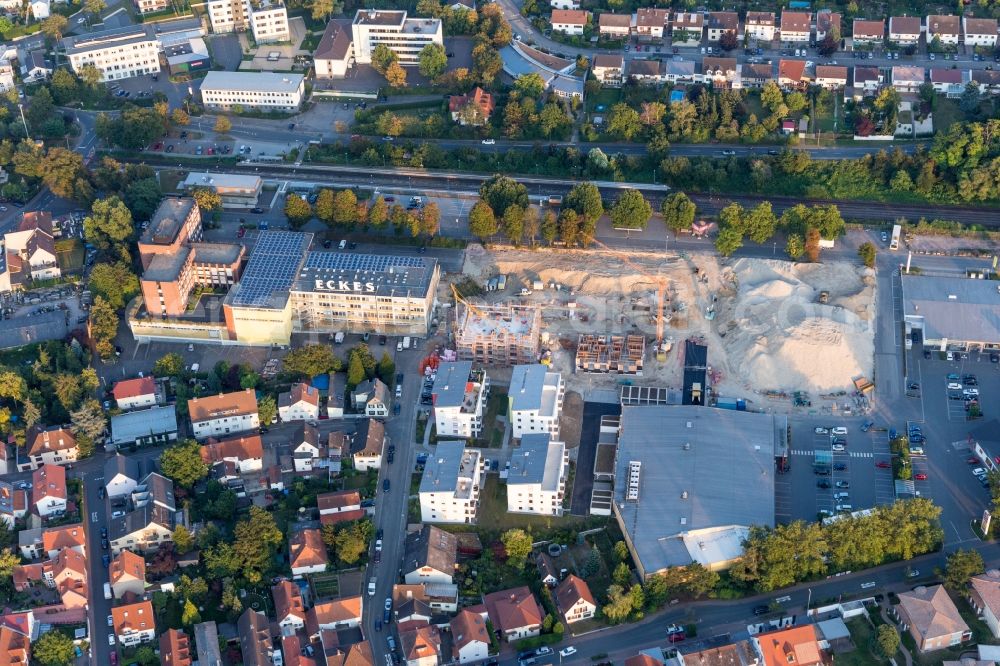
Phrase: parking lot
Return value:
(834, 463)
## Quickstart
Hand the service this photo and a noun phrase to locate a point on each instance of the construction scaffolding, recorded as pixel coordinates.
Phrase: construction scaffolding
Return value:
(499, 335)
(610, 353)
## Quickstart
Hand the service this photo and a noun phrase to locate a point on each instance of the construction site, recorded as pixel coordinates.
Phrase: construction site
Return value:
(777, 333)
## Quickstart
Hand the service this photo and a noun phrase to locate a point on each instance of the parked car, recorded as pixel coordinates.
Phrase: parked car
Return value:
(920, 477)
(883, 464)
(385, 486)
(839, 430)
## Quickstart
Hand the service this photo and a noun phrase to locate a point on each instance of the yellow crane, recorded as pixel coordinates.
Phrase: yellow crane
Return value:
(459, 299)
(662, 284)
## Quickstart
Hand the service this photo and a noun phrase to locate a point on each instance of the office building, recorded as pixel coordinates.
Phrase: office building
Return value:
(117, 54)
(253, 91)
(267, 20)
(404, 36)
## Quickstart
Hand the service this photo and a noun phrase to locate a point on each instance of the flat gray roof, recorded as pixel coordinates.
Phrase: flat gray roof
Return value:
(165, 267)
(448, 467)
(370, 274)
(271, 270)
(538, 460)
(279, 82)
(723, 460)
(132, 34)
(526, 383)
(379, 17)
(449, 385)
(956, 308)
(168, 220)
(130, 426)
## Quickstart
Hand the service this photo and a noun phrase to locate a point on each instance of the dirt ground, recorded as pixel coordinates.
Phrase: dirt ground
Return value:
(761, 319)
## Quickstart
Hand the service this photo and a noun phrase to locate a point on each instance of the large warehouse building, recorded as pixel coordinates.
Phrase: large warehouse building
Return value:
(952, 313)
(690, 481)
(286, 288)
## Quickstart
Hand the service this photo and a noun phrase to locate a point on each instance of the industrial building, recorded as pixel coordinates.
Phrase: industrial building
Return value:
(235, 190)
(449, 487)
(952, 313)
(286, 288)
(404, 36)
(253, 91)
(498, 334)
(610, 353)
(690, 481)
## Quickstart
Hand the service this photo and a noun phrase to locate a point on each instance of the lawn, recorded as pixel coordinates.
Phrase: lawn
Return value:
(70, 254)
(607, 98)
(496, 405)
(170, 180)
(492, 515)
(325, 586)
(946, 113)
(862, 634)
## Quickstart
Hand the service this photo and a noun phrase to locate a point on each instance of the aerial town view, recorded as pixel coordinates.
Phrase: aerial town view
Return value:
(499, 332)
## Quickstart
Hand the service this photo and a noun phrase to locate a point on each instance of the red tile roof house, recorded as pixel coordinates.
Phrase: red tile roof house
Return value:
(945, 28)
(760, 25)
(607, 68)
(48, 493)
(421, 646)
(514, 613)
(650, 23)
(979, 31)
(470, 639)
(951, 82)
(796, 26)
(482, 104)
(336, 614)
(792, 74)
(569, 21)
(224, 414)
(720, 23)
(288, 607)
(134, 623)
(574, 600)
(135, 393)
(831, 77)
(339, 507)
(247, 453)
(687, 28)
(301, 403)
(127, 573)
(614, 26)
(984, 595)
(307, 552)
(868, 32)
(827, 22)
(175, 648)
(904, 30)
(932, 618)
(55, 446)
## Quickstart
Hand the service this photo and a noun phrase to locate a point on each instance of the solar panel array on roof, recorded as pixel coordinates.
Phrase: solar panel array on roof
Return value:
(272, 268)
(348, 261)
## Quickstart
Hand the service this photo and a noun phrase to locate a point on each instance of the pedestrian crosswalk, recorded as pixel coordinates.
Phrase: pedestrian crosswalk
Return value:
(853, 454)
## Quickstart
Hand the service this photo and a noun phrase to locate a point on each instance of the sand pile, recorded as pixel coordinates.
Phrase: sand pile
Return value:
(778, 336)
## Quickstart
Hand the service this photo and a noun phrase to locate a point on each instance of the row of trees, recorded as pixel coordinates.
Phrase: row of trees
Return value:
(804, 226)
(775, 557)
(343, 209)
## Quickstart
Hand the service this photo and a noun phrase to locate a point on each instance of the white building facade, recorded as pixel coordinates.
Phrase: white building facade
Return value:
(536, 399)
(536, 481)
(459, 400)
(449, 488)
(265, 91)
(117, 54)
(266, 20)
(404, 36)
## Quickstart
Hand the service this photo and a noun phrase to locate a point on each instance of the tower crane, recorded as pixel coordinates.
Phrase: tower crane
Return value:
(662, 284)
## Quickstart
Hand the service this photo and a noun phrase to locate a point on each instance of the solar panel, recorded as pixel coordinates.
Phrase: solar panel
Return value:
(273, 266)
(348, 261)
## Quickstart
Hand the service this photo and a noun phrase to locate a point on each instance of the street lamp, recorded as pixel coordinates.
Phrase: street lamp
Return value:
(21, 108)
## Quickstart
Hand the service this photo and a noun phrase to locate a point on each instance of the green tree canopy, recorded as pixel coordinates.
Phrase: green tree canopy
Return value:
(960, 567)
(183, 464)
(499, 192)
(109, 222)
(53, 648)
(297, 210)
(867, 254)
(482, 222)
(517, 544)
(433, 61)
(630, 211)
(585, 199)
(115, 282)
(312, 360)
(678, 212)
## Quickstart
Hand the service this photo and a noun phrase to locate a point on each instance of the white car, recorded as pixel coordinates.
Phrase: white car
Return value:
(820, 430)
(378, 545)
(954, 386)
(838, 447)
(111, 620)
(979, 471)
(565, 652)
(489, 142)
(916, 450)
(839, 430)
(111, 639)
(971, 391)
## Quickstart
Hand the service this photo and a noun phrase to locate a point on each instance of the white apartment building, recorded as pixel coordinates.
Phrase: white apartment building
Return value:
(224, 414)
(760, 25)
(267, 20)
(459, 399)
(405, 37)
(449, 488)
(266, 91)
(536, 399)
(6, 76)
(536, 481)
(117, 54)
